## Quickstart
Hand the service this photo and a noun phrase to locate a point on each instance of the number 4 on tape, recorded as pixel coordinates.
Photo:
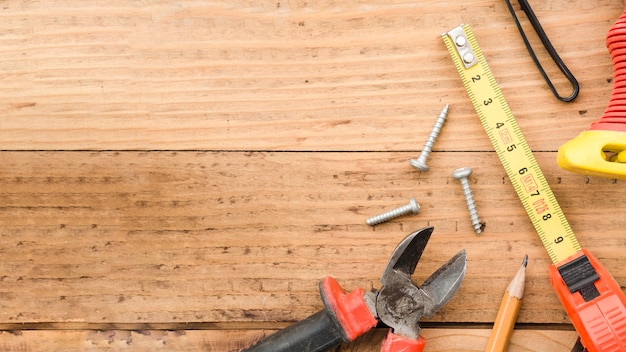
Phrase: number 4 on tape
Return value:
(591, 297)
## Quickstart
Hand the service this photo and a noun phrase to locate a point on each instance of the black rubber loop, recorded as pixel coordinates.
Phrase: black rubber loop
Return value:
(549, 48)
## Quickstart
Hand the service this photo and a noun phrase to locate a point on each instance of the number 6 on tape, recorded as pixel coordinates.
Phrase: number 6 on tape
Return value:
(591, 297)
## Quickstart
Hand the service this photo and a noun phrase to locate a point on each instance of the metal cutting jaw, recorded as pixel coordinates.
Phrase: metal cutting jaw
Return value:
(401, 303)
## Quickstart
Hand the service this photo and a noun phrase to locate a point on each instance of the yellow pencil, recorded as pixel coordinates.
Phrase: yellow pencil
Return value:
(507, 314)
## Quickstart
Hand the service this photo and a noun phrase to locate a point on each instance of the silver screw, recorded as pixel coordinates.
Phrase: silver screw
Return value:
(412, 207)
(462, 174)
(420, 162)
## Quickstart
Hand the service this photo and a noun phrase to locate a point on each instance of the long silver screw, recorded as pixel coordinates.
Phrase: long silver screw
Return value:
(412, 207)
(462, 174)
(420, 162)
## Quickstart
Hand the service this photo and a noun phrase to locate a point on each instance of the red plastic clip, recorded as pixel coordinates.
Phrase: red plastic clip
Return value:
(349, 309)
(593, 300)
(396, 343)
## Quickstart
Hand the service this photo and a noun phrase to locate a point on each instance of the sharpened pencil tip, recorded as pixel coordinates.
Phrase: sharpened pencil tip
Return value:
(525, 261)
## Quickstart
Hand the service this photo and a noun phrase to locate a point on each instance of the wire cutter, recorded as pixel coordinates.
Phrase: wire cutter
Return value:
(399, 304)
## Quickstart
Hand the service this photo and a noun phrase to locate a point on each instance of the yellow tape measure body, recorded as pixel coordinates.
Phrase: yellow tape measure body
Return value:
(510, 145)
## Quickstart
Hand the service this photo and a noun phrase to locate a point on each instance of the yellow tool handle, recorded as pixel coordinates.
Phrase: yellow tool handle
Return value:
(586, 154)
(601, 150)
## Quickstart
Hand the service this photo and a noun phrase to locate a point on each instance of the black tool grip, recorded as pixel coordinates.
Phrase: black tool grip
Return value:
(319, 332)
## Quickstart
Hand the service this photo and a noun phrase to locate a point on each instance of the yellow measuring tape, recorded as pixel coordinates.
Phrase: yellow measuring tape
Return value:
(593, 300)
(510, 145)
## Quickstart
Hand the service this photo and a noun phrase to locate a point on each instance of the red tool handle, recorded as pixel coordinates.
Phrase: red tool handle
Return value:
(593, 300)
(601, 150)
(397, 343)
(344, 318)
(614, 117)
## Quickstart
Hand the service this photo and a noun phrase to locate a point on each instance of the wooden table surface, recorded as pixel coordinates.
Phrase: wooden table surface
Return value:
(179, 175)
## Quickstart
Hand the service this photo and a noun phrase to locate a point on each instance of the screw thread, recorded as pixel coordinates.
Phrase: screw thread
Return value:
(434, 133)
(403, 210)
(420, 163)
(471, 206)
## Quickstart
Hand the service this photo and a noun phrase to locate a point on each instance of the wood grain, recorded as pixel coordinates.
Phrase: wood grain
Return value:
(438, 340)
(180, 175)
(280, 75)
(140, 237)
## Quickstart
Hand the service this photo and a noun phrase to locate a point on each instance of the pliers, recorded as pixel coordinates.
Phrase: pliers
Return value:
(399, 304)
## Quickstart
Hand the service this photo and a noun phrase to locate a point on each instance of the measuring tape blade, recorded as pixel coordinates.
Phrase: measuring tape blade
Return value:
(511, 146)
(591, 297)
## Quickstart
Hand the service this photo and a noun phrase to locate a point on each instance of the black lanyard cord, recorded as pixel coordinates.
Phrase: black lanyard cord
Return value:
(549, 48)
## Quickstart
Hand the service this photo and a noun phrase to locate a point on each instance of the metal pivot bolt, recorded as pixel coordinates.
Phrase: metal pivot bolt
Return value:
(412, 207)
(462, 174)
(420, 162)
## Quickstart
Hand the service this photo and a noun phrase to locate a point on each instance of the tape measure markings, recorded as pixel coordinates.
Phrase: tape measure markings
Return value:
(510, 145)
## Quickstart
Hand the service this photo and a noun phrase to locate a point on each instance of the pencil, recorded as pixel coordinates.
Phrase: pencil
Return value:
(507, 314)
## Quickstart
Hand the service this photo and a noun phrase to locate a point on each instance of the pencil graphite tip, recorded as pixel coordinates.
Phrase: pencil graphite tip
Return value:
(516, 286)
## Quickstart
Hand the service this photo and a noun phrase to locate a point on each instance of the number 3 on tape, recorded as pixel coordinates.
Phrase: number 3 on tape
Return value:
(591, 297)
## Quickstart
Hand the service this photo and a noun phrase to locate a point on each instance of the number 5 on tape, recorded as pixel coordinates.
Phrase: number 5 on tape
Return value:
(591, 297)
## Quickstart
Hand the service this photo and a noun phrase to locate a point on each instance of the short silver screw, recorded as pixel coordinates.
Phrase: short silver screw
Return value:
(420, 162)
(462, 174)
(412, 207)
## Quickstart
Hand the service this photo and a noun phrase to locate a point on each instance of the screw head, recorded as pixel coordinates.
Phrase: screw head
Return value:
(415, 206)
(418, 164)
(463, 172)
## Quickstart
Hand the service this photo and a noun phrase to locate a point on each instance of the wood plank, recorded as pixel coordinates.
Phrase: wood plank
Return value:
(180, 175)
(438, 340)
(278, 75)
(183, 237)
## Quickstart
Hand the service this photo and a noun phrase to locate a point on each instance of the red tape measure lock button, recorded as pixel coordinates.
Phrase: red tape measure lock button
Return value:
(593, 301)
